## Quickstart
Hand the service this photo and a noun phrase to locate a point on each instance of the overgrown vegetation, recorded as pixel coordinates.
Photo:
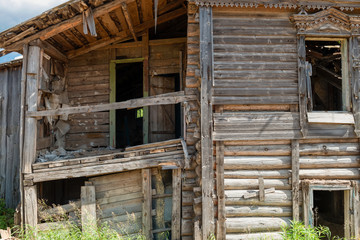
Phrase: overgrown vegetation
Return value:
(6, 215)
(298, 231)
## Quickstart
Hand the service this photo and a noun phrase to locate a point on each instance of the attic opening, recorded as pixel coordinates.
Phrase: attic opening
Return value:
(328, 210)
(327, 76)
(129, 122)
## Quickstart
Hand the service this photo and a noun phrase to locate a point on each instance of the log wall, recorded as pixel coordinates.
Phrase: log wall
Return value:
(10, 78)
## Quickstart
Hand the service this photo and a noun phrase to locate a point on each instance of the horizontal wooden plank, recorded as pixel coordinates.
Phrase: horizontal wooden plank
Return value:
(237, 48)
(162, 99)
(308, 162)
(330, 149)
(331, 117)
(255, 174)
(275, 99)
(254, 91)
(255, 224)
(257, 162)
(255, 236)
(255, 83)
(255, 211)
(258, 40)
(267, 149)
(261, 135)
(330, 173)
(277, 198)
(231, 184)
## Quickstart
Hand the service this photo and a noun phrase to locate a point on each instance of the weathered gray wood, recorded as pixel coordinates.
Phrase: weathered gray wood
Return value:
(162, 99)
(30, 206)
(206, 69)
(355, 79)
(278, 198)
(295, 165)
(261, 189)
(255, 224)
(302, 84)
(147, 204)
(221, 229)
(176, 205)
(88, 208)
(257, 211)
(30, 129)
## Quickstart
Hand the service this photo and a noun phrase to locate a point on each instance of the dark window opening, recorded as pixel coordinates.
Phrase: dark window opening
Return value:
(129, 122)
(60, 192)
(329, 211)
(327, 91)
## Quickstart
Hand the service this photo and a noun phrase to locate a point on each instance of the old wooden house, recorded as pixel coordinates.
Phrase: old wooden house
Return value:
(193, 118)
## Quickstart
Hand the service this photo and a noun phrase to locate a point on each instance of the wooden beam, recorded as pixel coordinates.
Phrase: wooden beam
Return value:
(70, 23)
(147, 10)
(207, 174)
(176, 205)
(50, 50)
(295, 168)
(30, 129)
(20, 36)
(124, 35)
(147, 203)
(221, 227)
(88, 208)
(146, 84)
(162, 99)
(156, 42)
(128, 20)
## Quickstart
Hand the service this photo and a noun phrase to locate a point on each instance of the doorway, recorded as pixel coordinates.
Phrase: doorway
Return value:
(126, 125)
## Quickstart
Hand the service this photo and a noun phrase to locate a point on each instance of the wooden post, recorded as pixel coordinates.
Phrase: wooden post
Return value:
(356, 207)
(206, 69)
(33, 64)
(30, 206)
(112, 66)
(147, 204)
(295, 179)
(145, 54)
(221, 228)
(261, 189)
(176, 204)
(88, 208)
(302, 84)
(22, 121)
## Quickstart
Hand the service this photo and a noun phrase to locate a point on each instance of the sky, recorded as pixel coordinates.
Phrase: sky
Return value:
(13, 12)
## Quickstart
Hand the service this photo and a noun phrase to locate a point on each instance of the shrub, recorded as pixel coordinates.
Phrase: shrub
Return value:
(298, 231)
(6, 215)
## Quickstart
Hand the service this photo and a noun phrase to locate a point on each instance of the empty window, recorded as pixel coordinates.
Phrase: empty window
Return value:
(327, 75)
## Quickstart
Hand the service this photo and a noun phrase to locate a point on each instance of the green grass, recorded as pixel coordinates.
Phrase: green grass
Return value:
(6, 215)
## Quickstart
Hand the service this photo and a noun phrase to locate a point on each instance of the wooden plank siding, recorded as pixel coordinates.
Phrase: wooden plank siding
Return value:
(254, 63)
(10, 78)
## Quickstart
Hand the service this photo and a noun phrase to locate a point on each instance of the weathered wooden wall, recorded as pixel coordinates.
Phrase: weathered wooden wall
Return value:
(256, 119)
(10, 78)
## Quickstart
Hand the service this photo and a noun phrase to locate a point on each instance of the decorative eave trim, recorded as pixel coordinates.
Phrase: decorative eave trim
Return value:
(326, 20)
(316, 5)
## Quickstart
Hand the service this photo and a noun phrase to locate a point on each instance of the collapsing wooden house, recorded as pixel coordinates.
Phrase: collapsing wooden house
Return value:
(199, 118)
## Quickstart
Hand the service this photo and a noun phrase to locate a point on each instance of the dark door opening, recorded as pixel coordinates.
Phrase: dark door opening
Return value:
(329, 211)
(129, 122)
(165, 120)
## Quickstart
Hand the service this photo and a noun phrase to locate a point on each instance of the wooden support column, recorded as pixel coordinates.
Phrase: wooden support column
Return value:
(176, 205)
(206, 69)
(295, 165)
(221, 228)
(30, 206)
(33, 64)
(147, 203)
(145, 54)
(88, 207)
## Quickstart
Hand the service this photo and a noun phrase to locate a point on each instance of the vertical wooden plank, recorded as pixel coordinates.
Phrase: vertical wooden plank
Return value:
(355, 81)
(221, 228)
(147, 204)
(302, 84)
(22, 121)
(356, 208)
(306, 204)
(145, 54)
(30, 206)
(345, 75)
(32, 82)
(261, 189)
(206, 69)
(112, 99)
(347, 221)
(176, 204)
(88, 208)
(295, 178)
